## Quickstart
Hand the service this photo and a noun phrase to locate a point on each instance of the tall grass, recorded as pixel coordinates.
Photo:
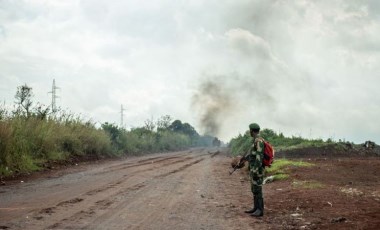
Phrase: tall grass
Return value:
(26, 142)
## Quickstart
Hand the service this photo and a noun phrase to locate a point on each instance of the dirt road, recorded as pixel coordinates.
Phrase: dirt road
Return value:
(193, 190)
(162, 191)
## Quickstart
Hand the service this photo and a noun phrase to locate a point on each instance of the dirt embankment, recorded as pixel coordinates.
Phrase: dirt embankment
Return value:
(193, 190)
(331, 151)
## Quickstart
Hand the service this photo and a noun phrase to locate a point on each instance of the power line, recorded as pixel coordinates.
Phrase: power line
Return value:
(54, 97)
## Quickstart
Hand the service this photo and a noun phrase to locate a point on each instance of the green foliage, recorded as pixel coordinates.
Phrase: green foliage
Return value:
(281, 176)
(280, 168)
(24, 142)
(281, 142)
(30, 136)
(143, 140)
(280, 165)
(242, 143)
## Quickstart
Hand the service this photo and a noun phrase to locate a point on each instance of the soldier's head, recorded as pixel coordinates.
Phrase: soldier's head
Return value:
(254, 129)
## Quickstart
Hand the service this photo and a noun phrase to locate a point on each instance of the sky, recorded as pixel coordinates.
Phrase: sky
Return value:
(303, 68)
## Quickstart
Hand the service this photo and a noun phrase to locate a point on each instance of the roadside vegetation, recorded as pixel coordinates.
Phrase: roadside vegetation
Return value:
(280, 168)
(32, 135)
(241, 144)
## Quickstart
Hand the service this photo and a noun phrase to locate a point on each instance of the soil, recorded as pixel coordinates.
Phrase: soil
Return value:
(193, 190)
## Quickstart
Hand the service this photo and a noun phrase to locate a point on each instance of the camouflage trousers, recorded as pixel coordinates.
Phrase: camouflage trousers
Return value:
(257, 182)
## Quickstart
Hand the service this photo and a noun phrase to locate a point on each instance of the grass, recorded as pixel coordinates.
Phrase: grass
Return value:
(25, 142)
(280, 171)
(280, 168)
(279, 165)
(281, 176)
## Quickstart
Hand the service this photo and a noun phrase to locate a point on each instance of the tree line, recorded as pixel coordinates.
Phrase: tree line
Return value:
(240, 144)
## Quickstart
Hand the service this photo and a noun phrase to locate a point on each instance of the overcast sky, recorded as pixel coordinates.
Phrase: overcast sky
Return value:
(307, 68)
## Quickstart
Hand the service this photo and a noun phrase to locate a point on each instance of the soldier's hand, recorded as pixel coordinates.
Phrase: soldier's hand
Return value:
(241, 164)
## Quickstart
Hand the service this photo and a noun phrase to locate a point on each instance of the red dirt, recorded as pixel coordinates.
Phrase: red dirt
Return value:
(193, 190)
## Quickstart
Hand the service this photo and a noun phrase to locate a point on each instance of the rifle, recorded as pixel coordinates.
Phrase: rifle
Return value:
(241, 161)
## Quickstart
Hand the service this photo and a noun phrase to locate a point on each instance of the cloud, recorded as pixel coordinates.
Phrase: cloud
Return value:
(249, 44)
(291, 66)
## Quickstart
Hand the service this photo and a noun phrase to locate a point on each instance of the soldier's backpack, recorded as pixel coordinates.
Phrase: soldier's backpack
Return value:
(268, 154)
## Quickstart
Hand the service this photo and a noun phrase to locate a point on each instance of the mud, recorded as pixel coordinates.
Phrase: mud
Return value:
(193, 190)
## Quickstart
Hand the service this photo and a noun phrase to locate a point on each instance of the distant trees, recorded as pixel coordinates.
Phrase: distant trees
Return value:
(185, 128)
(242, 143)
(164, 134)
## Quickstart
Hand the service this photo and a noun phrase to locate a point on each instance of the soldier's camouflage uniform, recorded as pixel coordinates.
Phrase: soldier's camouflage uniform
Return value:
(256, 169)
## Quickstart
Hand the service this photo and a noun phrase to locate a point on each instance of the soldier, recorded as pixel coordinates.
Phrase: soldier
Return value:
(256, 170)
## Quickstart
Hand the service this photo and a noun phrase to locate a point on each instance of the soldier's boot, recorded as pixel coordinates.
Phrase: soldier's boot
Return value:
(260, 208)
(254, 206)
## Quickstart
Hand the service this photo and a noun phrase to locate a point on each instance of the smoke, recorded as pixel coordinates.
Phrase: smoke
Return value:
(221, 101)
(251, 86)
(212, 100)
(237, 95)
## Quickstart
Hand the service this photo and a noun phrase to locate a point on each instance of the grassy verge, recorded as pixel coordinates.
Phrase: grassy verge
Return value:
(281, 167)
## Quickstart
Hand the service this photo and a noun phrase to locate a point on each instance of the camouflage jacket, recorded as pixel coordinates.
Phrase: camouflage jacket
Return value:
(255, 156)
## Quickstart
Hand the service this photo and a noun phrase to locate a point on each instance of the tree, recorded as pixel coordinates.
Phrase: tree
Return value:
(268, 133)
(189, 130)
(163, 123)
(149, 125)
(176, 126)
(24, 100)
(185, 128)
(112, 130)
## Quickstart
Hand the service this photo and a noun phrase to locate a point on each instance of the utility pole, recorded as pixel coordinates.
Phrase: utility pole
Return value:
(121, 116)
(53, 97)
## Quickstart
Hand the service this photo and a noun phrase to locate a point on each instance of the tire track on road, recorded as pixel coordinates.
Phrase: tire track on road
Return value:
(99, 201)
(101, 208)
